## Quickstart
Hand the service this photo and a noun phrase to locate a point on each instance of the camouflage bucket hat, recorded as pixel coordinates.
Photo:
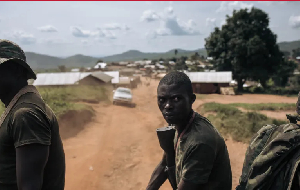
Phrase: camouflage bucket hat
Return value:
(11, 51)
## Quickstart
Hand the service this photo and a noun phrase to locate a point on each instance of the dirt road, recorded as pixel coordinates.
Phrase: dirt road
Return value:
(119, 149)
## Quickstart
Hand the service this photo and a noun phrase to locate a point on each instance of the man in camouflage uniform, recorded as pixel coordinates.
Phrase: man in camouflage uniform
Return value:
(272, 158)
(197, 157)
(31, 150)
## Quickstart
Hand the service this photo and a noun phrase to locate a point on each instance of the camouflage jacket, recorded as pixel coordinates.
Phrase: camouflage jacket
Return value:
(272, 159)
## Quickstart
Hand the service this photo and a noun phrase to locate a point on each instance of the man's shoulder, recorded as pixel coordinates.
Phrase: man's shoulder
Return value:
(29, 104)
(203, 132)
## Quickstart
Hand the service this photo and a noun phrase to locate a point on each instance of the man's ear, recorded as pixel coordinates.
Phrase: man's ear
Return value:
(193, 98)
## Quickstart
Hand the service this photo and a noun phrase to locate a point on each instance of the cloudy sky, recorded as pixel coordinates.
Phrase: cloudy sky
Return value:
(106, 28)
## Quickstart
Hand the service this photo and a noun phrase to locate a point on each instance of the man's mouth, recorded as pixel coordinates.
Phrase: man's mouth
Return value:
(169, 115)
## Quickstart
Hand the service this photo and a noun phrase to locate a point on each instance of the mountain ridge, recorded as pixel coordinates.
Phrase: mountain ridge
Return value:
(43, 61)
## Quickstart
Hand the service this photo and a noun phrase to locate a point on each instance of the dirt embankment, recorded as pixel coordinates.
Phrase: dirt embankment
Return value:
(74, 121)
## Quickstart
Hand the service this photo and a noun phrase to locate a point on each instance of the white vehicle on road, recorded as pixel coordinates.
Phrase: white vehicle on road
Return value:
(122, 95)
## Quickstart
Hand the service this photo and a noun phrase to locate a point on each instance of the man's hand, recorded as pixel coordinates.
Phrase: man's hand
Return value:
(166, 139)
(159, 176)
(31, 160)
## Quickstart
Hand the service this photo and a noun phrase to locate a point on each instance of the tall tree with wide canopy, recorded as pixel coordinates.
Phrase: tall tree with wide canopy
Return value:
(246, 46)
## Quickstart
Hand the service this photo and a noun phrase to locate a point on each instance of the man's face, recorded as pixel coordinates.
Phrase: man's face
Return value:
(6, 80)
(174, 103)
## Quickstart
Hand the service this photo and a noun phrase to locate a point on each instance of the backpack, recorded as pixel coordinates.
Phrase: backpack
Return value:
(267, 162)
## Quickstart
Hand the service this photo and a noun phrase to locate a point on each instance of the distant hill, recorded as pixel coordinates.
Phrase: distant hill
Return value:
(134, 55)
(289, 46)
(39, 61)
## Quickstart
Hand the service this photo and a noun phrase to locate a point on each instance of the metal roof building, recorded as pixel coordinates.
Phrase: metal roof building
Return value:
(210, 77)
(115, 75)
(67, 78)
(209, 82)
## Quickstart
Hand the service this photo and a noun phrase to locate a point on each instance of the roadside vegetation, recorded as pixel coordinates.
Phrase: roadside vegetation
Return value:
(73, 98)
(229, 120)
(266, 106)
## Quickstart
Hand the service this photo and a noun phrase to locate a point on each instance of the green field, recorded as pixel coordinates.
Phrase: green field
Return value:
(229, 120)
(64, 99)
(266, 106)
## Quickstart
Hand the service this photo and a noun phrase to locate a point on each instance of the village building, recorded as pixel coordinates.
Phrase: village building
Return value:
(115, 76)
(72, 78)
(209, 82)
(100, 66)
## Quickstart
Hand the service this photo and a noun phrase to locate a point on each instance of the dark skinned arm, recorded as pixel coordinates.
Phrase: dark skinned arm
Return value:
(31, 160)
(159, 176)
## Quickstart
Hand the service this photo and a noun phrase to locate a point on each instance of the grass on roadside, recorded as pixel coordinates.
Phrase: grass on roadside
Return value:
(241, 126)
(266, 106)
(64, 99)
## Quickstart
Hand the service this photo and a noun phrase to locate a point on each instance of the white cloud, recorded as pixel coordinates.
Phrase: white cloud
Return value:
(150, 16)
(223, 22)
(126, 27)
(269, 3)
(294, 21)
(210, 21)
(169, 10)
(55, 41)
(80, 33)
(97, 34)
(47, 28)
(23, 37)
(116, 26)
(233, 5)
(108, 34)
(85, 42)
(170, 25)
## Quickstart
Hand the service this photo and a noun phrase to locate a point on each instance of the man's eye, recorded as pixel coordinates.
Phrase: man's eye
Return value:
(160, 99)
(176, 99)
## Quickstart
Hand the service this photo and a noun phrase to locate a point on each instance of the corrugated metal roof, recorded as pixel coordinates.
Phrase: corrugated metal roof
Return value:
(115, 75)
(98, 74)
(210, 77)
(66, 78)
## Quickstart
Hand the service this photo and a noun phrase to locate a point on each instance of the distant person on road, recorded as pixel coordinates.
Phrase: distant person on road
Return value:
(31, 150)
(196, 156)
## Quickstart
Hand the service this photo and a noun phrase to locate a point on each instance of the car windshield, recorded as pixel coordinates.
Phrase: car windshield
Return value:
(124, 91)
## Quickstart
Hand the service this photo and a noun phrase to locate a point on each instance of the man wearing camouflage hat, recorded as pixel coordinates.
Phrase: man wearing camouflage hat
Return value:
(31, 150)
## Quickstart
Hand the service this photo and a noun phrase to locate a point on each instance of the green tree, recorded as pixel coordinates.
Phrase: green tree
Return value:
(286, 54)
(195, 56)
(180, 64)
(246, 46)
(100, 61)
(62, 68)
(284, 71)
(175, 51)
(296, 53)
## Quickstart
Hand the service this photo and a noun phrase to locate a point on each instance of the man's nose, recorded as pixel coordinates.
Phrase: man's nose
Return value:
(168, 105)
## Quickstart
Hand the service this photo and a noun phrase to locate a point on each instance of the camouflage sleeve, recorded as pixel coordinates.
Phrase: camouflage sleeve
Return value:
(198, 164)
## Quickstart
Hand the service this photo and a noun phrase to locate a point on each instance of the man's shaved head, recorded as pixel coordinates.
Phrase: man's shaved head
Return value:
(177, 78)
